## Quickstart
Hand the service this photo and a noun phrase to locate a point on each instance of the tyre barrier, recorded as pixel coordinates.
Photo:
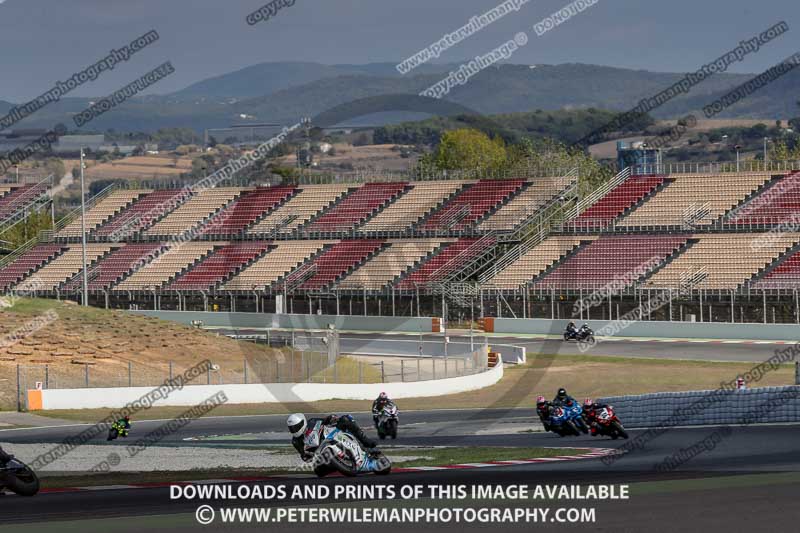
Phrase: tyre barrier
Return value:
(709, 407)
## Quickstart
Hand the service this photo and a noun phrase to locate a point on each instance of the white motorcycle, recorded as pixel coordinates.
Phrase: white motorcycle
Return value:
(340, 451)
(388, 420)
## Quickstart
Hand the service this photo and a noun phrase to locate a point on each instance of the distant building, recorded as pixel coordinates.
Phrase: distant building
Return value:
(73, 143)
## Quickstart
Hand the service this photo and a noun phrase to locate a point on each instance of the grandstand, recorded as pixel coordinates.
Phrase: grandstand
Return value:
(519, 245)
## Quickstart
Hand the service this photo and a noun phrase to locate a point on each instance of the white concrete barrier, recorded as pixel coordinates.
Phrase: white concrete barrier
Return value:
(190, 395)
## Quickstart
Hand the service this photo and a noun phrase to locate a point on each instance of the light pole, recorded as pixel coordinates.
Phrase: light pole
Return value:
(16, 170)
(83, 239)
(737, 147)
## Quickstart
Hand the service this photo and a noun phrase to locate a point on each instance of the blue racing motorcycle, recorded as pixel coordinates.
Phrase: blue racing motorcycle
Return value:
(567, 420)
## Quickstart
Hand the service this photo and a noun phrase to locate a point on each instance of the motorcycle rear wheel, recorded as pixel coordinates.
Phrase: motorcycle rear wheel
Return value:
(23, 482)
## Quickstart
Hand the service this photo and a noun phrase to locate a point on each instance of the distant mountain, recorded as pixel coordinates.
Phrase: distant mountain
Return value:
(284, 92)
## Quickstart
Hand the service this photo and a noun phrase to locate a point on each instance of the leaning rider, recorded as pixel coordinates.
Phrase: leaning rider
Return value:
(571, 329)
(377, 406)
(543, 410)
(123, 426)
(563, 399)
(305, 441)
(590, 410)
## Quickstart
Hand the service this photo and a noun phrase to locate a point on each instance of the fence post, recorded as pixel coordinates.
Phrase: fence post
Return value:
(170, 370)
(86, 373)
(46, 376)
(208, 375)
(360, 372)
(19, 398)
(245, 370)
(418, 376)
(402, 370)
(383, 374)
(277, 370)
(433, 365)
(130, 375)
(308, 369)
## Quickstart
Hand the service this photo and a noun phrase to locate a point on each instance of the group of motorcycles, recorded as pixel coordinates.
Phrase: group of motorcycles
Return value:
(572, 420)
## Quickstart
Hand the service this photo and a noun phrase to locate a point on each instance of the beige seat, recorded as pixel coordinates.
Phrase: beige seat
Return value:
(167, 266)
(275, 265)
(722, 261)
(389, 264)
(535, 261)
(526, 204)
(102, 212)
(695, 199)
(300, 209)
(64, 267)
(194, 211)
(423, 198)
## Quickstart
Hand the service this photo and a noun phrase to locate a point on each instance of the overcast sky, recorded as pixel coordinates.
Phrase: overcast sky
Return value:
(43, 41)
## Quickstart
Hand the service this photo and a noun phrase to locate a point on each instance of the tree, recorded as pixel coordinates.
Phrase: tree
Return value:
(469, 149)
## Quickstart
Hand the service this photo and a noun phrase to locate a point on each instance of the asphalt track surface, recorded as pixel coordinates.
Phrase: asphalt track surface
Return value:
(747, 482)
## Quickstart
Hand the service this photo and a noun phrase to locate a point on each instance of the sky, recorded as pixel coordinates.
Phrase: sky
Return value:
(44, 41)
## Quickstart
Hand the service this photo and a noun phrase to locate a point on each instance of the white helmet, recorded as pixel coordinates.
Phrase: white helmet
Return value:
(297, 424)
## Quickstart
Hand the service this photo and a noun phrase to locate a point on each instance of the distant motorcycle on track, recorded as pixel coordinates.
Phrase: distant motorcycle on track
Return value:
(388, 420)
(567, 420)
(606, 423)
(583, 334)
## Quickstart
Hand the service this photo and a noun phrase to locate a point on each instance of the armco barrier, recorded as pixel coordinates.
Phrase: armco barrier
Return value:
(678, 330)
(694, 408)
(305, 322)
(260, 393)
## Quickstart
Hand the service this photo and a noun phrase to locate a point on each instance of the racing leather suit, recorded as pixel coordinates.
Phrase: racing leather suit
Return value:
(559, 402)
(544, 415)
(590, 412)
(343, 423)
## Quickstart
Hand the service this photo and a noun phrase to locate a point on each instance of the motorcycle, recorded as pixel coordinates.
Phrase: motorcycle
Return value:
(387, 422)
(608, 424)
(117, 429)
(341, 451)
(566, 420)
(582, 334)
(18, 477)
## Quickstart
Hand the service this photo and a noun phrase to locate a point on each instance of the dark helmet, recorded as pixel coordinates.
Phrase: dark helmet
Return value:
(562, 393)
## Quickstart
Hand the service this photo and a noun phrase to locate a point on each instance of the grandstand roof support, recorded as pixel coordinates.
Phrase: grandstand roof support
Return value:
(83, 238)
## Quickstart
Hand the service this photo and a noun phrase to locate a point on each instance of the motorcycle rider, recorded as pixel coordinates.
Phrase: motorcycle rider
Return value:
(590, 410)
(563, 399)
(4, 457)
(299, 427)
(377, 406)
(543, 410)
(571, 330)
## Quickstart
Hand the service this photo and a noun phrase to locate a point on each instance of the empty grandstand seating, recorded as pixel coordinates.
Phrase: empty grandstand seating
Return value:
(219, 266)
(526, 204)
(785, 275)
(448, 258)
(471, 205)
(194, 211)
(116, 266)
(27, 264)
(109, 206)
(167, 266)
(63, 268)
(535, 261)
(411, 207)
(778, 203)
(247, 209)
(695, 199)
(356, 207)
(617, 201)
(311, 200)
(276, 264)
(723, 261)
(612, 258)
(336, 261)
(142, 214)
(379, 271)
(20, 196)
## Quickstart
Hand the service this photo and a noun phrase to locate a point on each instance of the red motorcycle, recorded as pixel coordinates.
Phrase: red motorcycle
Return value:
(606, 423)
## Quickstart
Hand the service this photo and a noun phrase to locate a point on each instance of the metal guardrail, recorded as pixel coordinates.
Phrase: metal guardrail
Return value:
(717, 167)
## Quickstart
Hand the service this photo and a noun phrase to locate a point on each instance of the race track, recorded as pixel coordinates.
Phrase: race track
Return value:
(747, 482)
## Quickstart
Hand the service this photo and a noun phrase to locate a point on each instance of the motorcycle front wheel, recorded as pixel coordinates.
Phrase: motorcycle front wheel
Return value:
(620, 430)
(391, 426)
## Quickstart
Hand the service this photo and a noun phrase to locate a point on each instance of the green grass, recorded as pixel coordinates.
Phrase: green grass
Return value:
(454, 456)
